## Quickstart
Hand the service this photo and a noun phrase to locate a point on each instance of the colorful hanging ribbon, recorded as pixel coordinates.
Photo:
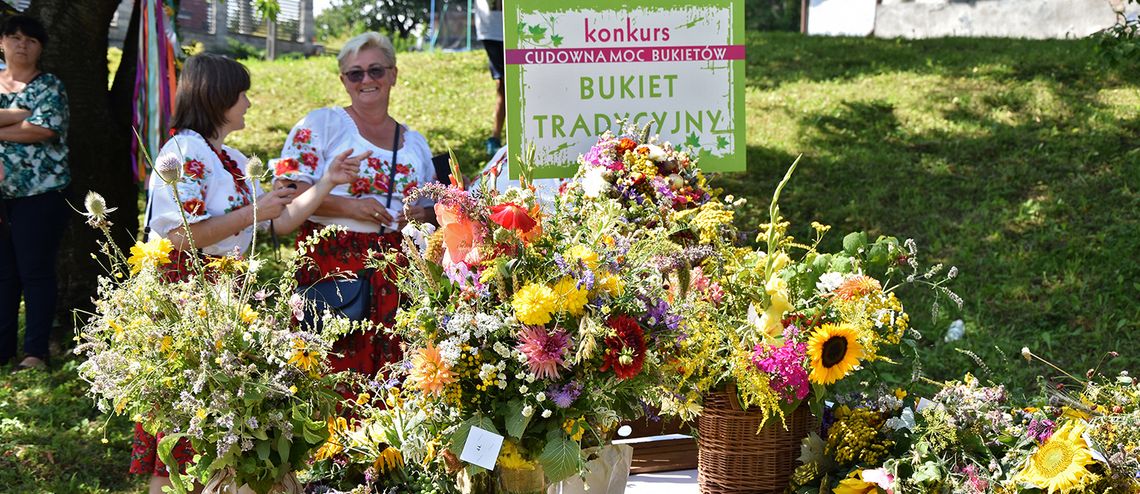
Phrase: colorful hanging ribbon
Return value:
(154, 83)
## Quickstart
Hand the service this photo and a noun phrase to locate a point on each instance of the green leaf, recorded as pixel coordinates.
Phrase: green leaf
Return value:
(693, 140)
(166, 454)
(853, 242)
(538, 32)
(561, 457)
(459, 438)
(516, 421)
(283, 447)
(721, 142)
(556, 40)
(262, 448)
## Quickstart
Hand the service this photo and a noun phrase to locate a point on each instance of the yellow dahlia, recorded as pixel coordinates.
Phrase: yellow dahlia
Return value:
(571, 298)
(1058, 466)
(429, 373)
(534, 304)
(834, 351)
(583, 254)
(154, 253)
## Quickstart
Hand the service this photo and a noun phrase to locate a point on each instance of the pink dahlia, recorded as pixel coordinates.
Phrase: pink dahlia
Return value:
(543, 350)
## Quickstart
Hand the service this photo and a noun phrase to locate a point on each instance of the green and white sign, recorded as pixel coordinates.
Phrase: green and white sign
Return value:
(576, 68)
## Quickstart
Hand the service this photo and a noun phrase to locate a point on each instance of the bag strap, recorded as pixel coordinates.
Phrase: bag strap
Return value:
(392, 172)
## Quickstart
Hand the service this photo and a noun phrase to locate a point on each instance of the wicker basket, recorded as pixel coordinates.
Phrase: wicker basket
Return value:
(733, 458)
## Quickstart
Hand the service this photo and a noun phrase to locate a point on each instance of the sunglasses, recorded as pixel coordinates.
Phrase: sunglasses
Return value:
(376, 73)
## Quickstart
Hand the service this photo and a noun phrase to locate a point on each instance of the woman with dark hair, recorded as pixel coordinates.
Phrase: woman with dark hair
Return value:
(33, 176)
(213, 212)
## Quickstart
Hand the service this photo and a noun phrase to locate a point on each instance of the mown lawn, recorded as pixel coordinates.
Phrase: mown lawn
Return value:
(1017, 161)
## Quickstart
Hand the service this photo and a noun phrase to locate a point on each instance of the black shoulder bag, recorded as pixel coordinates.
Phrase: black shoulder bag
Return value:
(348, 298)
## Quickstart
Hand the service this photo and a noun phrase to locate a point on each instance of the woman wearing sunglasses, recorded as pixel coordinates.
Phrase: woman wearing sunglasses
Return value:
(370, 208)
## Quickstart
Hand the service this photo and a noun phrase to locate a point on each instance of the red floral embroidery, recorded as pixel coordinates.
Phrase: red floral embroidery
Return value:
(303, 136)
(380, 182)
(403, 169)
(194, 206)
(374, 163)
(409, 186)
(310, 160)
(360, 187)
(194, 169)
(286, 166)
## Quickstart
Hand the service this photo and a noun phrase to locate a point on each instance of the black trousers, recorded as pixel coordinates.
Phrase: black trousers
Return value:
(30, 234)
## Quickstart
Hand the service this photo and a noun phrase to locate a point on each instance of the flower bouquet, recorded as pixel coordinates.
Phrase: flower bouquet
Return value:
(767, 330)
(975, 438)
(539, 330)
(213, 358)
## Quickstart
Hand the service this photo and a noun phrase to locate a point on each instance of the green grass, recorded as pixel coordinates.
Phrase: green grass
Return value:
(1017, 161)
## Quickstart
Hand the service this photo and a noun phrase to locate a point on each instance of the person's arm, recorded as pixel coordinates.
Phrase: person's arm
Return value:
(342, 170)
(216, 229)
(25, 133)
(9, 116)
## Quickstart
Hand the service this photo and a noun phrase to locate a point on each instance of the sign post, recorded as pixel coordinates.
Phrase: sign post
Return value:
(577, 68)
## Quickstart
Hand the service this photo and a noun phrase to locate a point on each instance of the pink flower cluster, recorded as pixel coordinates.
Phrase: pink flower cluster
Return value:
(785, 368)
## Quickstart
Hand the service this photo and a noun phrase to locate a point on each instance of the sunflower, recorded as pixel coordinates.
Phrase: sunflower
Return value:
(834, 351)
(1059, 464)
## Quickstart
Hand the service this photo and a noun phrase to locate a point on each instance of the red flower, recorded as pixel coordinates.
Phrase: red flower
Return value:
(403, 169)
(374, 163)
(302, 136)
(380, 182)
(286, 166)
(194, 206)
(625, 350)
(360, 187)
(408, 187)
(310, 160)
(512, 217)
(194, 169)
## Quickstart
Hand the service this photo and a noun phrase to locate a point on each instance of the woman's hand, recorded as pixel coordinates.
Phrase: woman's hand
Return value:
(344, 168)
(419, 214)
(368, 209)
(271, 204)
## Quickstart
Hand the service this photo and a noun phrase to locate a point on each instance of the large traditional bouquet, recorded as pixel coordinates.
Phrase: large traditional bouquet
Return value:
(975, 438)
(214, 359)
(781, 326)
(542, 330)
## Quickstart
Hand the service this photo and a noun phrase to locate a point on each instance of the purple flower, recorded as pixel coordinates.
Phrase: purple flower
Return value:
(658, 315)
(1040, 430)
(565, 395)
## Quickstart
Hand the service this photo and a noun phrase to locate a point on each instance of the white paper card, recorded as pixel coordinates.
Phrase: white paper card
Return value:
(482, 448)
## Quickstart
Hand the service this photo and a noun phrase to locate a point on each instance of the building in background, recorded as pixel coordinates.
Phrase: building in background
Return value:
(220, 25)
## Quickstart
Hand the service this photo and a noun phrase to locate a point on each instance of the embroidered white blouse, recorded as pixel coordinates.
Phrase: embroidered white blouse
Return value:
(206, 190)
(326, 132)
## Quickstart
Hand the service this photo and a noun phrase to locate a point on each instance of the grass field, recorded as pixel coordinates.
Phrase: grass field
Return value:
(1017, 161)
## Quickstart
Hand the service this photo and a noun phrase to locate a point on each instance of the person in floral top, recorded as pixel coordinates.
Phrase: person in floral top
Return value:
(371, 207)
(202, 199)
(33, 177)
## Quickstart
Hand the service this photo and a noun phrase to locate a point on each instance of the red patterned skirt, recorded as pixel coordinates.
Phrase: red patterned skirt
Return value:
(367, 352)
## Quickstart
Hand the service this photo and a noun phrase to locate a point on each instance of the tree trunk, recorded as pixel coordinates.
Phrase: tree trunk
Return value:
(98, 141)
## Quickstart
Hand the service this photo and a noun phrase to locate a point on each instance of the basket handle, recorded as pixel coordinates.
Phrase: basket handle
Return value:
(733, 401)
